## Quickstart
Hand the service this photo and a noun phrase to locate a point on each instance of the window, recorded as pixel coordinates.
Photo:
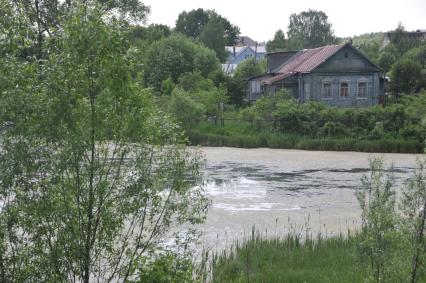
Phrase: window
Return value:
(362, 89)
(344, 89)
(248, 56)
(255, 86)
(326, 90)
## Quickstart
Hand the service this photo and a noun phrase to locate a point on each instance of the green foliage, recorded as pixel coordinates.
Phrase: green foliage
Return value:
(194, 82)
(167, 267)
(418, 55)
(369, 44)
(42, 20)
(309, 29)
(401, 40)
(237, 84)
(377, 201)
(280, 121)
(174, 56)
(249, 68)
(406, 76)
(214, 100)
(187, 112)
(391, 239)
(413, 222)
(205, 61)
(236, 88)
(386, 60)
(290, 259)
(279, 42)
(193, 22)
(212, 36)
(92, 174)
(148, 34)
(167, 86)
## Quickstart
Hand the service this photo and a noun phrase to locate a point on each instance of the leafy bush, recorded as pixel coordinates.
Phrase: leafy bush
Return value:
(188, 112)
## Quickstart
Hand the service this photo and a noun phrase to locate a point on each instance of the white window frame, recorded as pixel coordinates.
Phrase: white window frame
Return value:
(366, 89)
(331, 89)
(349, 89)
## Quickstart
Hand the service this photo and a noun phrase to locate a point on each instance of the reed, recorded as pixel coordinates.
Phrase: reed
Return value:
(255, 140)
(292, 258)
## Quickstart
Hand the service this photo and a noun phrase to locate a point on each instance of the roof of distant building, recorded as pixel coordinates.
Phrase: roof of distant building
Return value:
(306, 60)
(245, 41)
(238, 49)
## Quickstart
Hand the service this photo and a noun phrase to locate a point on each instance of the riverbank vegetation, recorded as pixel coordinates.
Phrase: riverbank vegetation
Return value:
(291, 259)
(281, 122)
(389, 247)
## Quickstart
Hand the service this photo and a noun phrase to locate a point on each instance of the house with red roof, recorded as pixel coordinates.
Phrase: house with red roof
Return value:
(337, 75)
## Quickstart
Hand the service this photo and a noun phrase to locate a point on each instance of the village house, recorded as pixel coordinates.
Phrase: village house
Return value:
(337, 75)
(245, 48)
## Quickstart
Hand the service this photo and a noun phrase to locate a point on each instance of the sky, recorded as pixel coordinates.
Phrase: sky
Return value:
(261, 19)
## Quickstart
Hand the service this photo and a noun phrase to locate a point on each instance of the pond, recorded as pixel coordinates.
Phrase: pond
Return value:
(279, 190)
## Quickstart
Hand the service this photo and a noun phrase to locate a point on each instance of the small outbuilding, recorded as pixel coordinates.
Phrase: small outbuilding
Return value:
(337, 75)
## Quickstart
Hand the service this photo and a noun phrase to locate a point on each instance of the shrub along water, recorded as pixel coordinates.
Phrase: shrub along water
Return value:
(280, 122)
(297, 142)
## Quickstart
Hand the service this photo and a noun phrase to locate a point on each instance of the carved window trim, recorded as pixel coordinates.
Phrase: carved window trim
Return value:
(362, 81)
(345, 94)
(330, 83)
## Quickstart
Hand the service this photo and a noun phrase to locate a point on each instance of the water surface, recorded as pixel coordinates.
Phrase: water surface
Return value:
(278, 190)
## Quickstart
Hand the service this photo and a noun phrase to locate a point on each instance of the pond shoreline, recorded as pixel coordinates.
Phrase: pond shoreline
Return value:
(301, 143)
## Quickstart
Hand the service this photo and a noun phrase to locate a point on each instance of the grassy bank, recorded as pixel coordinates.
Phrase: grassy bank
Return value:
(255, 140)
(289, 260)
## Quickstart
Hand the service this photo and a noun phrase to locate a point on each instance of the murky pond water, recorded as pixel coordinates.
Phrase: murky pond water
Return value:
(280, 190)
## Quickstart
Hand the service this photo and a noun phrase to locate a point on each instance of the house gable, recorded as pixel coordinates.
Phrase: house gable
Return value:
(347, 60)
(244, 54)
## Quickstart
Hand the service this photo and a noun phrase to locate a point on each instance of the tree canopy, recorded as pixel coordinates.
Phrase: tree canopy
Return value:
(92, 173)
(175, 56)
(212, 36)
(309, 29)
(279, 42)
(150, 33)
(193, 22)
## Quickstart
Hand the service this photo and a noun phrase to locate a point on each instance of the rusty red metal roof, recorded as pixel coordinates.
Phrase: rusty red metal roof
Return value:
(276, 78)
(307, 60)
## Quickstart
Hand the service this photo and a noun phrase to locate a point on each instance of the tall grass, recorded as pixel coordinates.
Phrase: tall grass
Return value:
(291, 259)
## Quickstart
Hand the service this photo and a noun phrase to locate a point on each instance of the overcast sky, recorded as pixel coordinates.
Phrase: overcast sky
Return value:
(260, 19)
